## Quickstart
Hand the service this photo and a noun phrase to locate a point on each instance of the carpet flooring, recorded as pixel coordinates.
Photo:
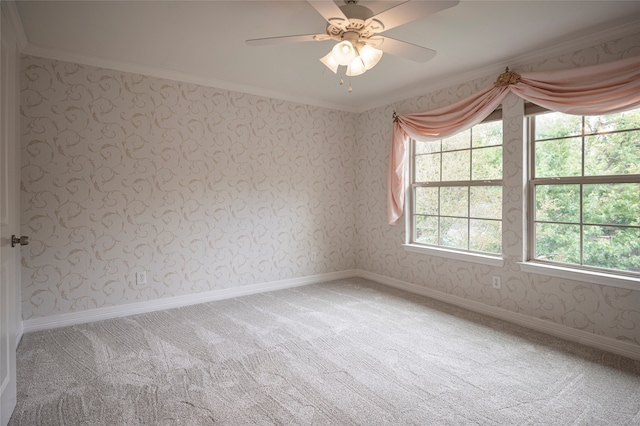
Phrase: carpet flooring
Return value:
(347, 352)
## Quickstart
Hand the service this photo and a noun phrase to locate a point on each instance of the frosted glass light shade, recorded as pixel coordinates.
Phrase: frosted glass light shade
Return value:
(356, 67)
(343, 52)
(370, 56)
(329, 61)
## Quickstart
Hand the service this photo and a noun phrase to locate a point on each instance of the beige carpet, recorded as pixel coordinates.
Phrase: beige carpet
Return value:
(344, 353)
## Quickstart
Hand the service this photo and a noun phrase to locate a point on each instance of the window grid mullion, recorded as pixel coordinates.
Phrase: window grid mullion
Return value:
(469, 189)
(439, 216)
(436, 217)
(581, 181)
(439, 240)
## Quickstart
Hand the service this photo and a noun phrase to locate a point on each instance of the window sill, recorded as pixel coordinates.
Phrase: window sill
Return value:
(483, 259)
(619, 281)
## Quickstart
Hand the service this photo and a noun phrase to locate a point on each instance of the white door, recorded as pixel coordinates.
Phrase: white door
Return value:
(9, 218)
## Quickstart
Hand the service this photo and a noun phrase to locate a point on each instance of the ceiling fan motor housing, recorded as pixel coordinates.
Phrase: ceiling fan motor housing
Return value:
(358, 26)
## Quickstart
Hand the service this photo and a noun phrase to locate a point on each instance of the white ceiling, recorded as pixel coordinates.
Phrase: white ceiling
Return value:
(204, 42)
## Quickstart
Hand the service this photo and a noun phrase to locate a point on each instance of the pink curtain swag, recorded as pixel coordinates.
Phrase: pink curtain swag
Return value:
(592, 90)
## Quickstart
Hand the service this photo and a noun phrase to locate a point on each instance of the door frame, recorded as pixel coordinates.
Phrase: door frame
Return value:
(10, 312)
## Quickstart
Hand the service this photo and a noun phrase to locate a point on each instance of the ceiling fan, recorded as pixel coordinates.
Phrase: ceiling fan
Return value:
(357, 30)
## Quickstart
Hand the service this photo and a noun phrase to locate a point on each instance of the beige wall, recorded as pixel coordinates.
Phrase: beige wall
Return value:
(208, 189)
(603, 310)
(205, 189)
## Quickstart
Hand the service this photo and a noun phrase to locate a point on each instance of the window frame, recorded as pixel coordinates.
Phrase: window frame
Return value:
(580, 272)
(491, 259)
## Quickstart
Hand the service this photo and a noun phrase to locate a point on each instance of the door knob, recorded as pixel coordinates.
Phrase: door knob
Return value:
(22, 240)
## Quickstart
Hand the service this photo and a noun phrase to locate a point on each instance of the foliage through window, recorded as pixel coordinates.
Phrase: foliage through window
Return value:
(585, 190)
(456, 192)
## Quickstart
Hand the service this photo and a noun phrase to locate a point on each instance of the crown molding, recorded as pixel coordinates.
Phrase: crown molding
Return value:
(491, 71)
(10, 9)
(421, 88)
(159, 72)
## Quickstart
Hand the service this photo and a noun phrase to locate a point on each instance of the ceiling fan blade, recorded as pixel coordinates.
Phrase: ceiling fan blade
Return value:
(287, 39)
(330, 11)
(410, 11)
(405, 50)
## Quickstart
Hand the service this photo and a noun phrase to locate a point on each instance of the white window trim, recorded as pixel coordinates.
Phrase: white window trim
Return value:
(613, 279)
(483, 259)
(439, 251)
(593, 277)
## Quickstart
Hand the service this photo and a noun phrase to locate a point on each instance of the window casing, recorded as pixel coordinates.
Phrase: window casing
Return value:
(456, 191)
(584, 191)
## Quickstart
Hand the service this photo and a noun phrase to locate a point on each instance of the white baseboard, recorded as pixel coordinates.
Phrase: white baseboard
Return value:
(589, 339)
(64, 320)
(19, 333)
(608, 344)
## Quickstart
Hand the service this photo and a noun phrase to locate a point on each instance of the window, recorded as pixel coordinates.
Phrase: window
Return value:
(456, 191)
(584, 191)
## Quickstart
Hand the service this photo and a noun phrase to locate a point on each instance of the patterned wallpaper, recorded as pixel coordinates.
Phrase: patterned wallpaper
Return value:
(208, 189)
(603, 310)
(202, 188)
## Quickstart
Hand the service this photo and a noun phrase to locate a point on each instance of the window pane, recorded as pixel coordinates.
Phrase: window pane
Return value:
(427, 168)
(596, 210)
(559, 158)
(557, 203)
(456, 165)
(487, 163)
(612, 154)
(454, 232)
(427, 147)
(557, 125)
(441, 206)
(454, 201)
(612, 204)
(427, 201)
(612, 247)
(486, 202)
(459, 141)
(560, 243)
(607, 123)
(486, 236)
(487, 134)
(426, 229)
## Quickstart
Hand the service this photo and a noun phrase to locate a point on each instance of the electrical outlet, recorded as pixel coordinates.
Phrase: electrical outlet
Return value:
(496, 282)
(141, 277)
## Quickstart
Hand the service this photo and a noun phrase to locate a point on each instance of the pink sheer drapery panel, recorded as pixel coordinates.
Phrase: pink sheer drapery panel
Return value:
(444, 122)
(433, 125)
(598, 89)
(395, 178)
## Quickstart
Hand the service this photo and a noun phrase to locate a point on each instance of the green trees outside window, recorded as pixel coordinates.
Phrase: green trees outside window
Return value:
(457, 190)
(585, 190)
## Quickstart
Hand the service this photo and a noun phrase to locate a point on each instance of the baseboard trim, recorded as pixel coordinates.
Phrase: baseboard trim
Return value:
(19, 333)
(608, 344)
(74, 318)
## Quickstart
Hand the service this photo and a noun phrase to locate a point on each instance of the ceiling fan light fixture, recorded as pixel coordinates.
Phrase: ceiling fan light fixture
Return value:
(356, 29)
(330, 62)
(356, 67)
(344, 52)
(370, 56)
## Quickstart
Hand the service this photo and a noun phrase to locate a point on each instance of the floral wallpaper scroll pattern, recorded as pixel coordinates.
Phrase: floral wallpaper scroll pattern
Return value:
(601, 310)
(202, 188)
(207, 189)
